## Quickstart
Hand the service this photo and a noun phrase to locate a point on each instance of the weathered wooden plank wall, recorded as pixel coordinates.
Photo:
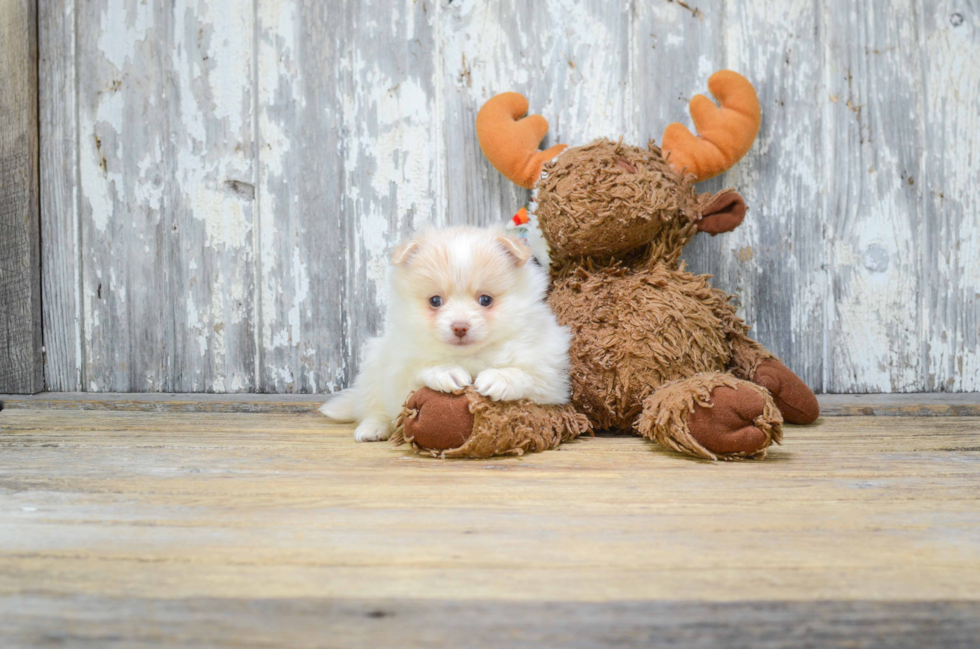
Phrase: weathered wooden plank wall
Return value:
(21, 365)
(221, 180)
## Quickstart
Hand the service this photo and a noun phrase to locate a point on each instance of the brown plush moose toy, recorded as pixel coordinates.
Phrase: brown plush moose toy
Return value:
(655, 348)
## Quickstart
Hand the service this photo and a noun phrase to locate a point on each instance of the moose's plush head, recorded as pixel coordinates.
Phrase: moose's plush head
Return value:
(606, 199)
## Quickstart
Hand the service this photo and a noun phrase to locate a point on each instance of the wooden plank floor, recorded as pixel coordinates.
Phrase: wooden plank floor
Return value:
(148, 528)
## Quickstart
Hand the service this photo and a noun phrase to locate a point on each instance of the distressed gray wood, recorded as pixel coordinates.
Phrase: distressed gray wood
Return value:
(21, 365)
(160, 402)
(393, 154)
(933, 404)
(261, 159)
(949, 39)
(212, 195)
(570, 60)
(481, 53)
(301, 235)
(919, 404)
(126, 213)
(874, 243)
(776, 263)
(349, 157)
(87, 620)
(60, 226)
(165, 150)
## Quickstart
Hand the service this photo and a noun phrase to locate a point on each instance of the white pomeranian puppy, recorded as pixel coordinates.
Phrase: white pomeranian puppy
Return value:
(465, 308)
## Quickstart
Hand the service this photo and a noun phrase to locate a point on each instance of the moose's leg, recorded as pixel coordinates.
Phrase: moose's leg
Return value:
(712, 415)
(753, 362)
(467, 424)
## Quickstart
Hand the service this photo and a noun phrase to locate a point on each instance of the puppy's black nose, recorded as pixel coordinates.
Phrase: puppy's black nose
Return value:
(460, 328)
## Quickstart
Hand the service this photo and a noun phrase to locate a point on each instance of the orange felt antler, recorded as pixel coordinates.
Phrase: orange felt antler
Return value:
(511, 143)
(725, 134)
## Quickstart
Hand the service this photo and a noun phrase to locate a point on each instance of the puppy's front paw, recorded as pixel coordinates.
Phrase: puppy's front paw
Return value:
(372, 430)
(446, 378)
(501, 385)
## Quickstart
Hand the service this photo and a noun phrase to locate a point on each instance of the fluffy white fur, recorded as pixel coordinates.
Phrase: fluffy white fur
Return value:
(512, 349)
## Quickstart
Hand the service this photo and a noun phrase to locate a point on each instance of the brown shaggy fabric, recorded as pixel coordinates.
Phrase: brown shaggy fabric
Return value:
(667, 415)
(617, 219)
(606, 198)
(498, 428)
(634, 329)
(746, 354)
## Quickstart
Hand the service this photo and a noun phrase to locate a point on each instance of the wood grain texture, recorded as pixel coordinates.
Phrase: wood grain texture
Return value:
(212, 158)
(222, 520)
(940, 404)
(777, 263)
(963, 404)
(571, 60)
(60, 233)
(34, 620)
(261, 160)
(21, 364)
(876, 124)
(126, 214)
(949, 40)
(165, 155)
(302, 239)
(157, 402)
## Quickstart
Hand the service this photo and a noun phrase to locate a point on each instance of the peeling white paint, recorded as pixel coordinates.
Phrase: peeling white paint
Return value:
(123, 25)
(952, 197)
(96, 184)
(876, 278)
(275, 56)
(401, 152)
(230, 59)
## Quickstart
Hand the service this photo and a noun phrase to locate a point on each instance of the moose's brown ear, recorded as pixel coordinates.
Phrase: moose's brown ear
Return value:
(722, 212)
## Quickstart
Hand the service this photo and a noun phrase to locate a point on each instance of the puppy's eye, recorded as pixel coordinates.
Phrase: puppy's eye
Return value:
(486, 300)
(435, 301)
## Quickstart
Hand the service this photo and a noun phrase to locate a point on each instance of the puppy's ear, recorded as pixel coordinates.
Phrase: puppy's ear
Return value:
(403, 252)
(515, 249)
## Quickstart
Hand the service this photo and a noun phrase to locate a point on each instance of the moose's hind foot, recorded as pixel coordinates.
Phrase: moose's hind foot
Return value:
(712, 415)
(792, 396)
